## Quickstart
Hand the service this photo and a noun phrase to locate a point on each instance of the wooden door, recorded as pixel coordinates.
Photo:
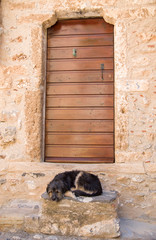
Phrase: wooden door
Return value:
(80, 100)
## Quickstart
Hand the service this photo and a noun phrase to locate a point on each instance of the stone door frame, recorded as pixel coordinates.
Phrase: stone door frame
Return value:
(120, 73)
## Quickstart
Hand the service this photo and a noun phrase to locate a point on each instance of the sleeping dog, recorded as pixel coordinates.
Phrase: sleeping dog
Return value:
(74, 184)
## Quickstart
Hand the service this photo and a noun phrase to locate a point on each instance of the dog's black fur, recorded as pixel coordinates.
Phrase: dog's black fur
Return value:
(80, 183)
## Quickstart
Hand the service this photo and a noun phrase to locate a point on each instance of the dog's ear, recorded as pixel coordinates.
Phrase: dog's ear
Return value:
(63, 186)
(47, 189)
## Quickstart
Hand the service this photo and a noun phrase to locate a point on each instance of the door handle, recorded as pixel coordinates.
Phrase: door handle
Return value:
(102, 68)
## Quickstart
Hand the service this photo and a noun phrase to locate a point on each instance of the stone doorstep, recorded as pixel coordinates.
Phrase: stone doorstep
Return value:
(94, 217)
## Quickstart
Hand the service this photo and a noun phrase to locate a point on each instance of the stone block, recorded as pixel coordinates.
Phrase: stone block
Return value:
(150, 167)
(33, 106)
(3, 165)
(12, 214)
(82, 217)
(2, 181)
(8, 135)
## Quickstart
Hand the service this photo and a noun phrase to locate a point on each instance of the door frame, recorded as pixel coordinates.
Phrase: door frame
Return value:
(44, 94)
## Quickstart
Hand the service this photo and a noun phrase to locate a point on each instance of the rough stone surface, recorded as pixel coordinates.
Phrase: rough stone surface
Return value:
(22, 71)
(87, 217)
(22, 85)
(130, 230)
(14, 213)
(105, 197)
(136, 184)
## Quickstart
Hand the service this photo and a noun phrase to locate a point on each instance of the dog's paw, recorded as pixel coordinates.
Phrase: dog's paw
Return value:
(76, 194)
(70, 194)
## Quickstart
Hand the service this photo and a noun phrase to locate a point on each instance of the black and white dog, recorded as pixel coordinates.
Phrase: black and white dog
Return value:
(75, 184)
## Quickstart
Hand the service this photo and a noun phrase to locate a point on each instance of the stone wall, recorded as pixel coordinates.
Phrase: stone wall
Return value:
(23, 174)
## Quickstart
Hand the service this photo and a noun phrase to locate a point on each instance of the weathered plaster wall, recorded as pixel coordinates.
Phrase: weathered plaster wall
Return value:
(23, 174)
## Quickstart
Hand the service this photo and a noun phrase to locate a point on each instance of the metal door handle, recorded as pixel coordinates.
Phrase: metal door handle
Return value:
(102, 68)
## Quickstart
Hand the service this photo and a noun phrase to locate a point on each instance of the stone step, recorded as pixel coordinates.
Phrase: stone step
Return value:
(130, 230)
(13, 214)
(83, 216)
(91, 217)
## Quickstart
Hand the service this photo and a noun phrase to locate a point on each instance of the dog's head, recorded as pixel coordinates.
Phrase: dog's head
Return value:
(55, 190)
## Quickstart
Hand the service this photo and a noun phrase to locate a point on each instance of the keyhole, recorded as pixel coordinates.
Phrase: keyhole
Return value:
(74, 52)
